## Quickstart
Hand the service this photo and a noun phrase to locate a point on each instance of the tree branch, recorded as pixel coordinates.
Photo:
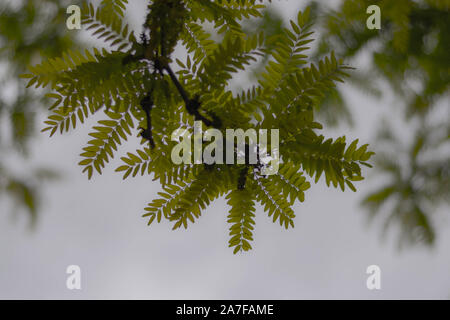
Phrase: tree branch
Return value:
(147, 105)
(192, 105)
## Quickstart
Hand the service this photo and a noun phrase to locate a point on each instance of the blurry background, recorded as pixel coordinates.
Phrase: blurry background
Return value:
(397, 100)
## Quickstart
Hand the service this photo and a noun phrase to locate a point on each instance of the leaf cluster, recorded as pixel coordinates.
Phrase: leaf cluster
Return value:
(135, 81)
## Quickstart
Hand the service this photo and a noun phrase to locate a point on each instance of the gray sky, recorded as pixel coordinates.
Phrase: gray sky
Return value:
(97, 225)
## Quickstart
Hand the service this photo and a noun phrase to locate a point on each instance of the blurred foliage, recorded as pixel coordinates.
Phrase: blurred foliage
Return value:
(418, 182)
(271, 24)
(29, 30)
(411, 53)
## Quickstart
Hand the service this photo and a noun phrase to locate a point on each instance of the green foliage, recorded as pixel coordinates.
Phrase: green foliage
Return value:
(106, 22)
(136, 87)
(241, 218)
(414, 41)
(411, 53)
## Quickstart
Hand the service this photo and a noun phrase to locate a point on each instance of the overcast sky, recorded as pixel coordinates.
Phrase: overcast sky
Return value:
(97, 225)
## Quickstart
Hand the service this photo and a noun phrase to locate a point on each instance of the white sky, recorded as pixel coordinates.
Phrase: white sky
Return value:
(97, 225)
